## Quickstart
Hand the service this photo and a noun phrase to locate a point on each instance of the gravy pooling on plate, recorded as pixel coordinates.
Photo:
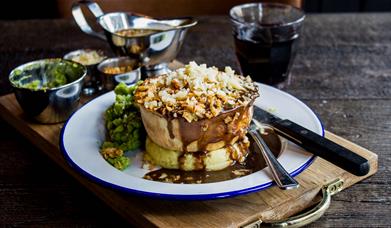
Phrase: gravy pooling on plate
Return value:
(254, 162)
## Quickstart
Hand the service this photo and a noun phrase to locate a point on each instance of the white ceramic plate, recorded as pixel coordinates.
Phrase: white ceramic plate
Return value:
(84, 131)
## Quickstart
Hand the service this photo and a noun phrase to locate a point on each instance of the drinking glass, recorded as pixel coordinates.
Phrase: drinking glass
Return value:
(266, 37)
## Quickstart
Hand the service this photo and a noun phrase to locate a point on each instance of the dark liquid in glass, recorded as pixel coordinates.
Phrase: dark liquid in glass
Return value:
(268, 63)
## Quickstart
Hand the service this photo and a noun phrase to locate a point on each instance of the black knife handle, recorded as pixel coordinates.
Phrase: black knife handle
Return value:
(322, 147)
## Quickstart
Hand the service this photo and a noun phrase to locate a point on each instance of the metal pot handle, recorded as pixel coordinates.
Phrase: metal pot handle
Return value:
(78, 15)
(308, 217)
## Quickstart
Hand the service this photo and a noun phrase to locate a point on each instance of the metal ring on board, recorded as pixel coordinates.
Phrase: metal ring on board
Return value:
(308, 217)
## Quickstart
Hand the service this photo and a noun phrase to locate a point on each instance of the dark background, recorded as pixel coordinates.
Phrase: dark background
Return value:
(324, 6)
(44, 9)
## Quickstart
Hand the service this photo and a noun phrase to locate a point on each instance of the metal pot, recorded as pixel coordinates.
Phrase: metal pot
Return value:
(154, 50)
(111, 80)
(48, 104)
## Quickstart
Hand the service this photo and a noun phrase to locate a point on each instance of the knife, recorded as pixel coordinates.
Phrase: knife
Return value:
(314, 143)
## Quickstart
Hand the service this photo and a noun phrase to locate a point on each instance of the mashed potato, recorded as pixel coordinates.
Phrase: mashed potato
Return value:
(211, 161)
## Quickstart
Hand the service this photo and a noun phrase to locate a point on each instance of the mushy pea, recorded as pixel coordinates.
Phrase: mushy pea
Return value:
(124, 127)
(46, 75)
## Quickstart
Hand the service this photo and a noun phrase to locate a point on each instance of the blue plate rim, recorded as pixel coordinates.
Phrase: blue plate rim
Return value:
(190, 197)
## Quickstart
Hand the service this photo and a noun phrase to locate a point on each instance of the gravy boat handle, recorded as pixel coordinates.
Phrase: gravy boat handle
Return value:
(78, 15)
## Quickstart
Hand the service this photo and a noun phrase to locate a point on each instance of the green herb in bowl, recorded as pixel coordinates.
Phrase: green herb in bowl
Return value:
(48, 90)
(46, 74)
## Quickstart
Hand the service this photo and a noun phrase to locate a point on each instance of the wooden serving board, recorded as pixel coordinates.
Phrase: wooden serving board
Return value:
(268, 205)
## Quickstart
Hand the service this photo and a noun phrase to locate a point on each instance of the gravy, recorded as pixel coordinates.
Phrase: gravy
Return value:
(136, 32)
(253, 163)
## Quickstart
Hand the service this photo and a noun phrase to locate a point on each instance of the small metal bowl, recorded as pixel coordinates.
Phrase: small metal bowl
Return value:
(110, 80)
(48, 90)
(92, 82)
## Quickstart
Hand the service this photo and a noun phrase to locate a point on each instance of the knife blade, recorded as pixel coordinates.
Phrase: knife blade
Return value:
(314, 143)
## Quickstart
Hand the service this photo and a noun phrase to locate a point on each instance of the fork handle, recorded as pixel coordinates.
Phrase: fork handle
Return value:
(283, 179)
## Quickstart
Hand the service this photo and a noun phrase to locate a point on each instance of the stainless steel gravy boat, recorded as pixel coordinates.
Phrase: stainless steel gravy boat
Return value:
(154, 51)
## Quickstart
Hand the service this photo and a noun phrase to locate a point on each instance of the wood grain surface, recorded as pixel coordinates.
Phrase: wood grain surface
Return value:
(342, 71)
(269, 205)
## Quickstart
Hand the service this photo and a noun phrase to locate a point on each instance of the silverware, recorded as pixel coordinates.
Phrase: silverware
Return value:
(314, 143)
(154, 50)
(283, 179)
(53, 104)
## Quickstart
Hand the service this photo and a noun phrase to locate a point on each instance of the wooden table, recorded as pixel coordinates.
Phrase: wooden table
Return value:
(342, 71)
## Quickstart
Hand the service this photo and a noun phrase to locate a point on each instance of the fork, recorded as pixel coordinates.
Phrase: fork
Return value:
(283, 179)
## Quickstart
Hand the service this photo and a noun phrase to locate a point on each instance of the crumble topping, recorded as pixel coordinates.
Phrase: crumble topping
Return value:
(196, 92)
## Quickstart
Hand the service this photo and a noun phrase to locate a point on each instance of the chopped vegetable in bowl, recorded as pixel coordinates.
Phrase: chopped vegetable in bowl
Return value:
(87, 57)
(46, 74)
